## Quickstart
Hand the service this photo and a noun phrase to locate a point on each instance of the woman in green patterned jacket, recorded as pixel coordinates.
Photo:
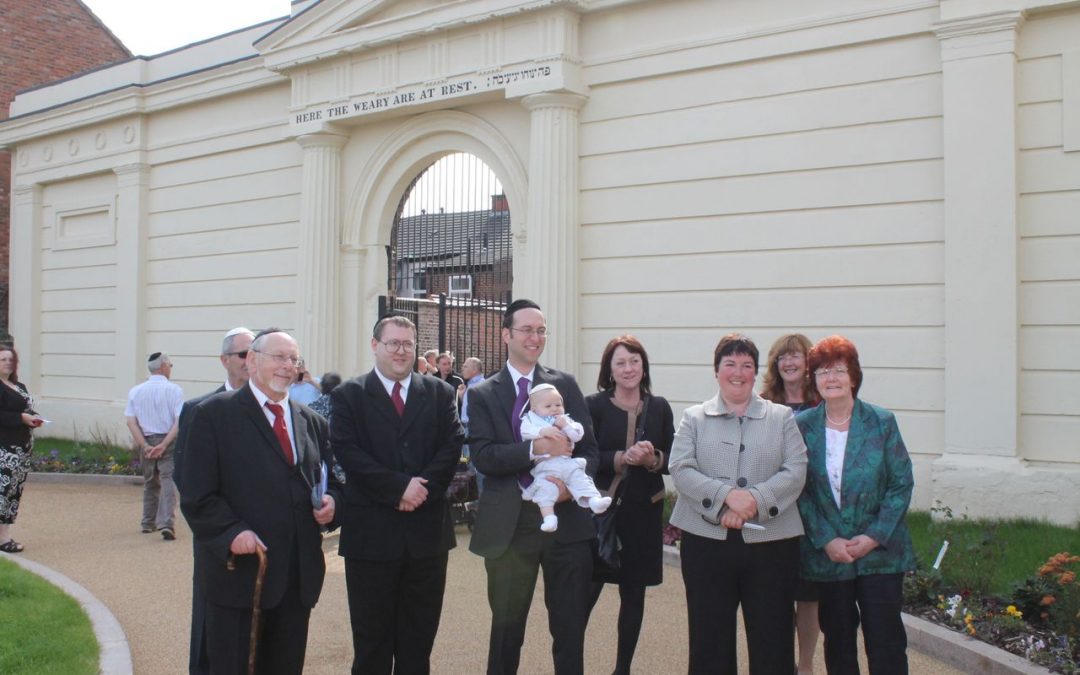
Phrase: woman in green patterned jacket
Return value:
(858, 486)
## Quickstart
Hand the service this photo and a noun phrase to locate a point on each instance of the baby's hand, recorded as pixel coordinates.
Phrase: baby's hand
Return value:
(560, 422)
(550, 432)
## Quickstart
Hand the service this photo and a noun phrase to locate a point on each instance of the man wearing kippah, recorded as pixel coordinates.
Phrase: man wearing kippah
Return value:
(152, 413)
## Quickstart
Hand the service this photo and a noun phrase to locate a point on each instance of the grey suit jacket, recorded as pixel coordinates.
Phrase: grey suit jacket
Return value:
(715, 451)
(501, 459)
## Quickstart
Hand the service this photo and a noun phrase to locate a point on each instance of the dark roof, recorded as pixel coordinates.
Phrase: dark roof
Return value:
(454, 239)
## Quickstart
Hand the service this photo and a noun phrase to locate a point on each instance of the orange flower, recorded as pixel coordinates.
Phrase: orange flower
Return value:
(1067, 578)
(1047, 600)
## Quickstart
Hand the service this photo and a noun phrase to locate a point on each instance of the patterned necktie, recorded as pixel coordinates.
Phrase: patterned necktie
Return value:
(525, 478)
(395, 398)
(281, 431)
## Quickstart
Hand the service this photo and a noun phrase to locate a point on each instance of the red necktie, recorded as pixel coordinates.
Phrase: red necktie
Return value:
(281, 431)
(395, 398)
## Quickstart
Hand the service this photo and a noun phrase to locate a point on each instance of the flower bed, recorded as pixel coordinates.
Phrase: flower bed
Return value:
(1040, 622)
(53, 455)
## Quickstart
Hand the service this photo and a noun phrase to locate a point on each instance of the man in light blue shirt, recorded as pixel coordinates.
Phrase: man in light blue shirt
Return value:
(152, 414)
(472, 370)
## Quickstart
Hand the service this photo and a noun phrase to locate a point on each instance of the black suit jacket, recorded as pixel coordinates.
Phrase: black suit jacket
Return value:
(496, 455)
(236, 478)
(187, 411)
(381, 452)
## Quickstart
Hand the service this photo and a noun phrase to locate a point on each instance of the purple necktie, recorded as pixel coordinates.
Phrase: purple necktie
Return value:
(519, 405)
(525, 478)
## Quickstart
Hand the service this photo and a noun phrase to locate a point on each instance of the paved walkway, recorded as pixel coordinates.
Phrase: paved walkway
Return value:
(91, 534)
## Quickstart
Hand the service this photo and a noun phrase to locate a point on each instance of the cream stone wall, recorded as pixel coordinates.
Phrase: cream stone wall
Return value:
(733, 188)
(1049, 252)
(902, 173)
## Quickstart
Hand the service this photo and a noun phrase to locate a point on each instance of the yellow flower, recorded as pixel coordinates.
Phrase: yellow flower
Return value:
(1011, 610)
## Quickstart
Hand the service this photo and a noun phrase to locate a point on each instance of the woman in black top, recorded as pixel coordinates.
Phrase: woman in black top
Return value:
(624, 394)
(787, 381)
(17, 419)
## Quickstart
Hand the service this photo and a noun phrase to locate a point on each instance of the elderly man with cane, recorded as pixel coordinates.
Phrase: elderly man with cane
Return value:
(257, 464)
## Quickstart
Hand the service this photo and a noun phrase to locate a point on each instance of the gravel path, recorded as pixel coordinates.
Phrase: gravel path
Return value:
(91, 534)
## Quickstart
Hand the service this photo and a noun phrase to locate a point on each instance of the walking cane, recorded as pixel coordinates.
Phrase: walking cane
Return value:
(256, 602)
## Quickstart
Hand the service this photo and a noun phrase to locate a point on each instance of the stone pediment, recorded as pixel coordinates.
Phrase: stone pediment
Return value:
(380, 12)
(351, 59)
(332, 27)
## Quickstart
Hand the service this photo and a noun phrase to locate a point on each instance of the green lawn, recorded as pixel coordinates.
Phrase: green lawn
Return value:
(42, 630)
(1024, 545)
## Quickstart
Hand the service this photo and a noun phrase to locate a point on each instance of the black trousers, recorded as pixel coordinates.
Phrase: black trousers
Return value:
(875, 601)
(721, 575)
(511, 582)
(282, 638)
(631, 614)
(198, 660)
(394, 609)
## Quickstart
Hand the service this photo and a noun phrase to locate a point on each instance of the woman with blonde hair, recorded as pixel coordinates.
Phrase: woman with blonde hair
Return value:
(787, 381)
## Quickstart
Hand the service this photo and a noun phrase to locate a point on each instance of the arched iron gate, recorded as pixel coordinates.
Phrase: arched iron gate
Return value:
(450, 260)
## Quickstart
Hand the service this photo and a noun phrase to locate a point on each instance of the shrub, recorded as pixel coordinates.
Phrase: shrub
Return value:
(1062, 603)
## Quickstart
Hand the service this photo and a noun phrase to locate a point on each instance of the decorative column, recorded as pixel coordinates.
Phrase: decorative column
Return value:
(981, 470)
(550, 273)
(320, 223)
(132, 193)
(24, 281)
(981, 339)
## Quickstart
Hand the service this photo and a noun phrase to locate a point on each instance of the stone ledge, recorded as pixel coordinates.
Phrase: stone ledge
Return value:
(960, 651)
(964, 652)
(115, 656)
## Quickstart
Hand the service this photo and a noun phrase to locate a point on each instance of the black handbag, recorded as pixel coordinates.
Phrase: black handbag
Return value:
(606, 553)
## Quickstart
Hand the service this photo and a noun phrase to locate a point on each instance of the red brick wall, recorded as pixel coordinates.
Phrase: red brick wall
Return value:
(42, 41)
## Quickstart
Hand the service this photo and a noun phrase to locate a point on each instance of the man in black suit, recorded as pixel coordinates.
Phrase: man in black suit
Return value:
(507, 532)
(398, 438)
(234, 349)
(253, 464)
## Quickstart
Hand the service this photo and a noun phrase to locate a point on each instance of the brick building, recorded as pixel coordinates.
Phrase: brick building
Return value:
(42, 41)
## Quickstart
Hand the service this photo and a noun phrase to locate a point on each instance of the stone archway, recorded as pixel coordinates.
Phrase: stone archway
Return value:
(384, 177)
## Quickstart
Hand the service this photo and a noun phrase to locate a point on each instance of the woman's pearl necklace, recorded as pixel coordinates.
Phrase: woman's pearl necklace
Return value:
(835, 422)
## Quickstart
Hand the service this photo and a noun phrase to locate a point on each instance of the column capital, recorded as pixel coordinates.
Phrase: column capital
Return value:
(554, 99)
(323, 139)
(25, 190)
(980, 35)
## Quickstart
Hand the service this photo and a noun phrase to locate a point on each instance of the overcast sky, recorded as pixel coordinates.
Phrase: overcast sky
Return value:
(148, 27)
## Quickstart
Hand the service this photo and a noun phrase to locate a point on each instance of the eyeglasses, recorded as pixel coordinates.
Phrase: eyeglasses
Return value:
(836, 370)
(529, 331)
(242, 354)
(281, 359)
(394, 346)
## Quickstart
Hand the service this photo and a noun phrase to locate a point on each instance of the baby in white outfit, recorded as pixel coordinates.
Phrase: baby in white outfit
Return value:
(547, 417)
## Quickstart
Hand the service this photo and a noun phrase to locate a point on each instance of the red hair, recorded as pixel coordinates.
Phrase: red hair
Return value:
(836, 349)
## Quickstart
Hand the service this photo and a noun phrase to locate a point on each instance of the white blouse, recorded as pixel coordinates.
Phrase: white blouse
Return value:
(835, 444)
